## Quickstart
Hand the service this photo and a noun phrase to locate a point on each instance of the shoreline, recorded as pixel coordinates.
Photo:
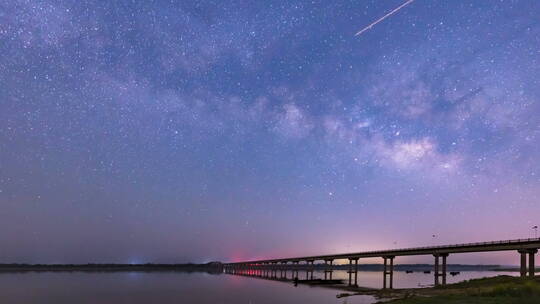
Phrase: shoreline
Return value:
(215, 266)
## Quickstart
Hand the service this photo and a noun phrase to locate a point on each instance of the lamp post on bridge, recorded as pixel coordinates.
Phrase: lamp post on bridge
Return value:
(535, 228)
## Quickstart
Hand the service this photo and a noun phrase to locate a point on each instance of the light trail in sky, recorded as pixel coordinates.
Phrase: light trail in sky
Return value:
(384, 17)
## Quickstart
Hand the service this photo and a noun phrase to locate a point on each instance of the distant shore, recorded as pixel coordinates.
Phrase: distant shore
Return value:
(209, 267)
(217, 267)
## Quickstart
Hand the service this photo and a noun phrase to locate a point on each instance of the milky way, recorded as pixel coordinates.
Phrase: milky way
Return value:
(153, 131)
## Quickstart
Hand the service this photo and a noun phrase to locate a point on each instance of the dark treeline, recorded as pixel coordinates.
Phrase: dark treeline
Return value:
(213, 267)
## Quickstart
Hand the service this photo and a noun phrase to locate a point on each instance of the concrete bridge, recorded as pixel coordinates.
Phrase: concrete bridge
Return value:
(524, 247)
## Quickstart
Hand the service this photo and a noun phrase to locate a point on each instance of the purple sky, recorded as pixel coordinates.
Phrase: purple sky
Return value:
(178, 131)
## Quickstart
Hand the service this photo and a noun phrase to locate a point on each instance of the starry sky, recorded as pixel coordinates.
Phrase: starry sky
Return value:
(177, 131)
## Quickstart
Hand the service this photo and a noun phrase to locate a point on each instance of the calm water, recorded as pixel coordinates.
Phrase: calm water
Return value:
(200, 288)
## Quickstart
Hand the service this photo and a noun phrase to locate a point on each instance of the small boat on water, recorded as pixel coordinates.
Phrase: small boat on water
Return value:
(408, 271)
(427, 271)
(454, 273)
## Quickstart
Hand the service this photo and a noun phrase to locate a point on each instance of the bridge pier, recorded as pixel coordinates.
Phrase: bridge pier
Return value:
(436, 266)
(355, 271)
(444, 256)
(328, 271)
(350, 272)
(388, 270)
(532, 252)
(436, 269)
(283, 269)
(523, 263)
(295, 271)
(311, 269)
(332, 270)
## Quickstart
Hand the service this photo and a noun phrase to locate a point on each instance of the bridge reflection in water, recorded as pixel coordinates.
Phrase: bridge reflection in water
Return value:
(299, 275)
(278, 268)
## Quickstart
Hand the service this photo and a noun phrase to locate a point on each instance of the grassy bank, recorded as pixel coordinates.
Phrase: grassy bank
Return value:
(501, 289)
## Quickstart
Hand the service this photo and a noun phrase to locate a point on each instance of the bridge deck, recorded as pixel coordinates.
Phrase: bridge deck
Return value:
(521, 244)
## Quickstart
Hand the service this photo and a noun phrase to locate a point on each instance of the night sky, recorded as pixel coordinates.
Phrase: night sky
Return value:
(177, 131)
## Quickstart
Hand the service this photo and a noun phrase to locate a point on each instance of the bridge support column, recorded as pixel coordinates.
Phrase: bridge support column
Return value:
(309, 270)
(444, 256)
(328, 269)
(332, 270)
(356, 272)
(351, 272)
(436, 269)
(388, 271)
(325, 270)
(384, 273)
(523, 263)
(532, 252)
(391, 272)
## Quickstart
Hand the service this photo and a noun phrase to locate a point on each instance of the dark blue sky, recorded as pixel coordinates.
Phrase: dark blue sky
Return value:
(174, 131)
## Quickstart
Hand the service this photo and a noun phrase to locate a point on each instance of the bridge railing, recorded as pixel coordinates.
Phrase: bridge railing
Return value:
(410, 249)
(460, 245)
(455, 245)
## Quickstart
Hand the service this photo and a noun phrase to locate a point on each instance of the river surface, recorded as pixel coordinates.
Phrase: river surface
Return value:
(197, 288)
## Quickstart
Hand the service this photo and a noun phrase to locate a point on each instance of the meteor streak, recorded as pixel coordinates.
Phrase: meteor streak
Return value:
(384, 17)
